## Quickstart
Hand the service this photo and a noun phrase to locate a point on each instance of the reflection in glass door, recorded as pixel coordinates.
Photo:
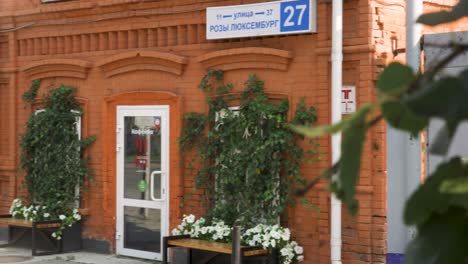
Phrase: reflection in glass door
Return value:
(142, 179)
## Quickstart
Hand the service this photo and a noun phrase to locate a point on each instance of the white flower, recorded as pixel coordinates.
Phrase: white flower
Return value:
(286, 234)
(275, 235)
(257, 238)
(258, 228)
(300, 258)
(175, 232)
(54, 235)
(298, 249)
(59, 237)
(15, 204)
(62, 217)
(77, 217)
(284, 252)
(273, 243)
(46, 215)
(190, 219)
(75, 211)
(200, 221)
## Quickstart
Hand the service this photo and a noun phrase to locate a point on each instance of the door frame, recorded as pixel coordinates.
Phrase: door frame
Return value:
(107, 140)
(164, 203)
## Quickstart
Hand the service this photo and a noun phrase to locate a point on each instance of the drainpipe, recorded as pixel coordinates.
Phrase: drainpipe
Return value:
(413, 33)
(337, 62)
(414, 9)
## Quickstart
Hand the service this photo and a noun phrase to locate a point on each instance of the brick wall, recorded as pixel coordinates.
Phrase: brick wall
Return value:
(99, 47)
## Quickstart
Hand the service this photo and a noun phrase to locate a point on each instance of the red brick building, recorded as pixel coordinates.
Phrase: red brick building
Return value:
(153, 53)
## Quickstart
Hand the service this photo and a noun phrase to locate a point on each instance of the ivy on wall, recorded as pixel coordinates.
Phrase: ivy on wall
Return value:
(31, 94)
(249, 159)
(52, 153)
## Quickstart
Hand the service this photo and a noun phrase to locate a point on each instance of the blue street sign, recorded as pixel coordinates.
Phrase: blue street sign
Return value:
(262, 19)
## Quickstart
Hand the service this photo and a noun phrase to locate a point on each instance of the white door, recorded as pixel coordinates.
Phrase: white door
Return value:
(142, 180)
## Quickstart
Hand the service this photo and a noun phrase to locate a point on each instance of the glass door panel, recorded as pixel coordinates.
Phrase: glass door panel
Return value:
(142, 164)
(142, 229)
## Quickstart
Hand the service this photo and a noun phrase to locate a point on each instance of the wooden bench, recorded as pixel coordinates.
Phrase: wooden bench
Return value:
(37, 229)
(217, 247)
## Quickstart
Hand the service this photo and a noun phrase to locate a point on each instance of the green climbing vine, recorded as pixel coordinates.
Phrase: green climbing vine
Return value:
(52, 154)
(248, 158)
(31, 94)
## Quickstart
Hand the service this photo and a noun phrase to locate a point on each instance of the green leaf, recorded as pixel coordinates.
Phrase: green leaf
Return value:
(350, 162)
(395, 79)
(457, 12)
(455, 186)
(30, 95)
(442, 239)
(441, 143)
(400, 116)
(444, 98)
(428, 198)
(318, 130)
(307, 204)
(433, 19)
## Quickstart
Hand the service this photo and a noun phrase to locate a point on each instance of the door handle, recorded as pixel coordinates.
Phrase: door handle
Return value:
(152, 184)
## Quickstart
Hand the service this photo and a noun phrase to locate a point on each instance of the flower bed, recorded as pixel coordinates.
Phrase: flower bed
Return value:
(36, 213)
(271, 237)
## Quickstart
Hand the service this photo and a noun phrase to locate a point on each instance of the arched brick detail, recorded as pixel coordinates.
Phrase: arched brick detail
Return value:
(143, 60)
(247, 58)
(109, 168)
(72, 68)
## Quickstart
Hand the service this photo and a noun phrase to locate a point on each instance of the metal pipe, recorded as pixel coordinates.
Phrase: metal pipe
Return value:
(236, 256)
(414, 9)
(337, 63)
(413, 33)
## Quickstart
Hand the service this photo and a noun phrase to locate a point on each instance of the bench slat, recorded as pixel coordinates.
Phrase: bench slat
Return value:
(219, 247)
(202, 244)
(256, 252)
(15, 222)
(50, 225)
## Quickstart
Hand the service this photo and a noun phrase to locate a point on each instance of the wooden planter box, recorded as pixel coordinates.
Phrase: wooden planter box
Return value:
(181, 255)
(194, 251)
(20, 233)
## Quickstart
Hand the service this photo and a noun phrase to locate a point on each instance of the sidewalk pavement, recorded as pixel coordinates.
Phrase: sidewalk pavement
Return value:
(23, 256)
